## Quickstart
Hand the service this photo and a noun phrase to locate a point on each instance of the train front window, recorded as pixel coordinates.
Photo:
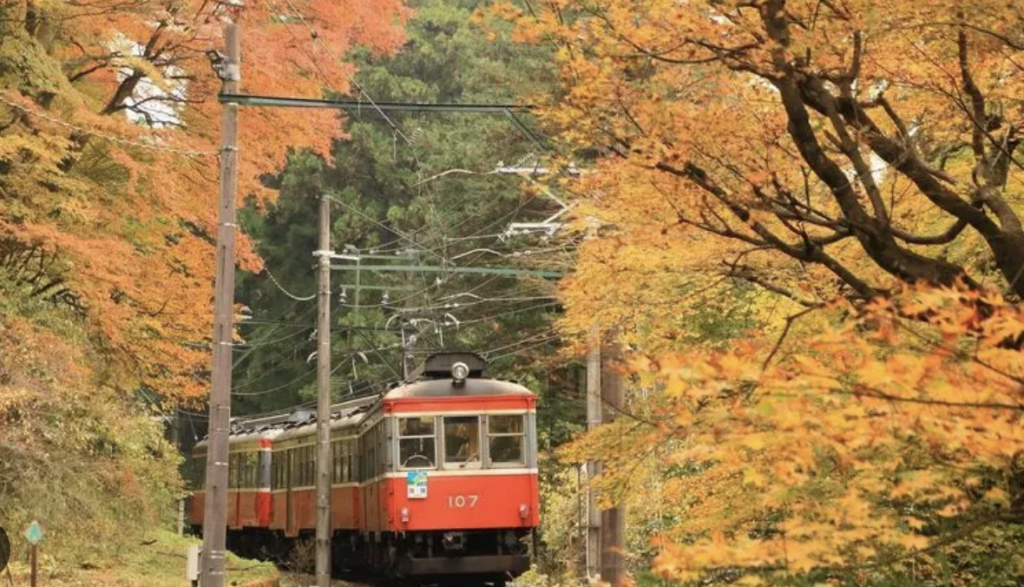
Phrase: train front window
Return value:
(506, 440)
(416, 448)
(462, 441)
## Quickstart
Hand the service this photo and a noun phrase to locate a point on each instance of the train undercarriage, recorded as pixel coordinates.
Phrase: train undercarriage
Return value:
(470, 557)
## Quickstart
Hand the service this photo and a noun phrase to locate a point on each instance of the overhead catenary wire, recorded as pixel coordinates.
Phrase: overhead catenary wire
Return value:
(390, 229)
(441, 251)
(545, 334)
(364, 94)
(524, 349)
(351, 80)
(283, 385)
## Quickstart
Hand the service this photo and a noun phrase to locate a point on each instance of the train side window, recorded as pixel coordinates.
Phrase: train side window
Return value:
(343, 461)
(243, 470)
(249, 465)
(254, 469)
(308, 479)
(382, 446)
(282, 469)
(506, 440)
(346, 461)
(335, 462)
(371, 463)
(278, 462)
(417, 445)
(359, 473)
(199, 472)
(309, 465)
(462, 441)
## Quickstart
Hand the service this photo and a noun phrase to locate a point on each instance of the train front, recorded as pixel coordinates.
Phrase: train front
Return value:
(462, 494)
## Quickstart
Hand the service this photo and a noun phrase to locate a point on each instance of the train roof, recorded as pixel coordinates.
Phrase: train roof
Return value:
(342, 415)
(240, 435)
(425, 388)
(283, 426)
(433, 383)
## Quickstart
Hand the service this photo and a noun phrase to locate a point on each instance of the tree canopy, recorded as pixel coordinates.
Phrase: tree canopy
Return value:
(838, 183)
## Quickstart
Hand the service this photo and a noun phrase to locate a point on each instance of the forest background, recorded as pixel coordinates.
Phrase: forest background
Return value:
(800, 220)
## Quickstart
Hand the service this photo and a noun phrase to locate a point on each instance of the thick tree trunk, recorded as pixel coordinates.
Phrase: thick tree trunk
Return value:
(800, 90)
(123, 92)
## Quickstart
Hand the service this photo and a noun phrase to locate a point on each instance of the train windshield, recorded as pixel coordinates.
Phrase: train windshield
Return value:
(462, 441)
(416, 443)
(506, 440)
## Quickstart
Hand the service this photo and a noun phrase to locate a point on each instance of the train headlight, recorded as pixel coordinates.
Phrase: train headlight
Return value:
(459, 372)
(524, 511)
(405, 515)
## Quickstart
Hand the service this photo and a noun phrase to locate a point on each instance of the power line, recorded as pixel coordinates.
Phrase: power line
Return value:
(285, 291)
(337, 59)
(390, 229)
(252, 349)
(265, 343)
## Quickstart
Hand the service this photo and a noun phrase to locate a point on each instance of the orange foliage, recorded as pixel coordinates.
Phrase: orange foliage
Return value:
(851, 449)
(770, 157)
(132, 216)
(807, 148)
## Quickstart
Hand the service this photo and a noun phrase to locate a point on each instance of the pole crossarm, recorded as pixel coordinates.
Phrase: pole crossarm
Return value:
(453, 269)
(287, 102)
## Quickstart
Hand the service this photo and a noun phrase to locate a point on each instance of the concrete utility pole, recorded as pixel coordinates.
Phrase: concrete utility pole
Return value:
(176, 440)
(323, 404)
(216, 490)
(593, 467)
(613, 521)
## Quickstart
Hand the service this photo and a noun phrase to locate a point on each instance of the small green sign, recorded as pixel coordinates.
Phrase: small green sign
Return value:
(34, 533)
(416, 484)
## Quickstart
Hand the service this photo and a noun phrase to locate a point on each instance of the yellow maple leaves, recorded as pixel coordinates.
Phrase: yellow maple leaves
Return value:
(836, 441)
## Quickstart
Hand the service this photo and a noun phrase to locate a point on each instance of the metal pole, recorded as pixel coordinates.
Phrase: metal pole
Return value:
(613, 520)
(593, 467)
(216, 490)
(323, 406)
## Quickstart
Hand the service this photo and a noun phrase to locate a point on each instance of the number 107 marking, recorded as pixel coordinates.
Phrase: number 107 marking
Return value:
(461, 501)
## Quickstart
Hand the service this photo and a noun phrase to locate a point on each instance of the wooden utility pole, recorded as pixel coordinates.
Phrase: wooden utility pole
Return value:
(593, 553)
(323, 404)
(613, 520)
(216, 490)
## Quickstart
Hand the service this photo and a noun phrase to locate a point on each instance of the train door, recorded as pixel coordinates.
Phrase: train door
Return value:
(290, 527)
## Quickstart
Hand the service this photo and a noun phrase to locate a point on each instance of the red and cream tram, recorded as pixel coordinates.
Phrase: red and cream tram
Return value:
(436, 477)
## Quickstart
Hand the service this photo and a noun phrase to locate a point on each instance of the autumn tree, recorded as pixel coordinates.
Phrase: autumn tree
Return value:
(872, 142)
(110, 154)
(108, 182)
(777, 156)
